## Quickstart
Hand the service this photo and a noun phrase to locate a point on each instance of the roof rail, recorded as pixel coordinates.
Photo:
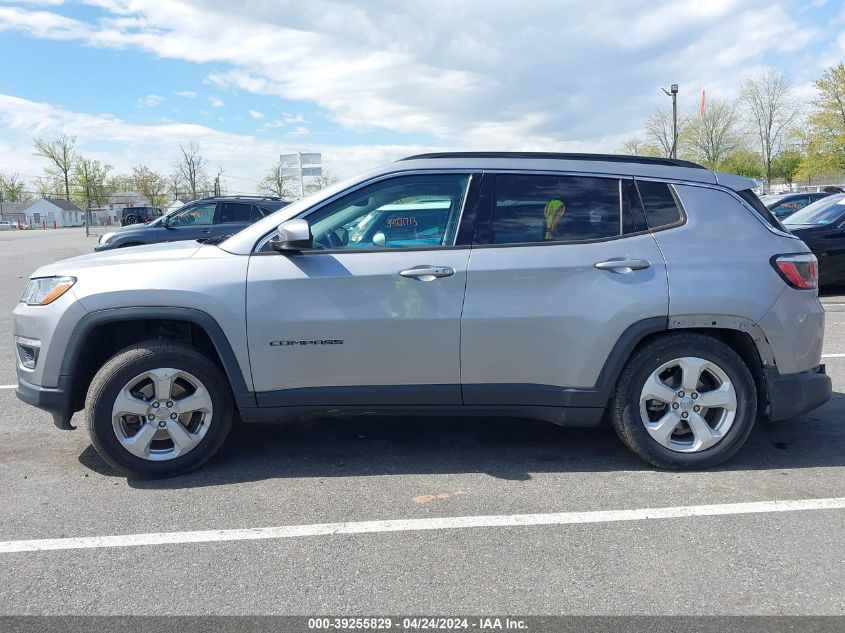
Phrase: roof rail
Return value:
(251, 197)
(609, 158)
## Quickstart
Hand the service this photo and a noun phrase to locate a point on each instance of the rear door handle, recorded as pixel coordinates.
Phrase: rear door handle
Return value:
(206, 230)
(427, 273)
(623, 265)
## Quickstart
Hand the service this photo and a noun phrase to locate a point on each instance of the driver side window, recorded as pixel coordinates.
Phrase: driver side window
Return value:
(197, 215)
(402, 212)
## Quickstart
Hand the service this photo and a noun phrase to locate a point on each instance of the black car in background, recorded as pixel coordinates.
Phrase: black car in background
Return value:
(782, 205)
(198, 220)
(139, 215)
(821, 225)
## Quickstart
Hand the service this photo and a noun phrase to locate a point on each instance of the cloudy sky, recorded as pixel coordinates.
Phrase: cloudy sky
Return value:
(369, 81)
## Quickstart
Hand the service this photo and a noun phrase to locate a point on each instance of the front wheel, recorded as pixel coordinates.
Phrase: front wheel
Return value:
(685, 401)
(158, 409)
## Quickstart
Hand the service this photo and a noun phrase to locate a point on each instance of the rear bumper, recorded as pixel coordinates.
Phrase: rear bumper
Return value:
(56, 400)
(791, 395)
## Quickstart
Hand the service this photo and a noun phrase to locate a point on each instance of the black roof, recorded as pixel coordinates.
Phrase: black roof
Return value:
(608, 158)
(243, 197)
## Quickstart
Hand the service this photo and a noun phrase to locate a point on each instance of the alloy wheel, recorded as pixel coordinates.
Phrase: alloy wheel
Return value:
(688, 404)
(162, 414)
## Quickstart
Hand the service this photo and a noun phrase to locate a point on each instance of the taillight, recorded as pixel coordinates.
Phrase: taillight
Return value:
(800, 270)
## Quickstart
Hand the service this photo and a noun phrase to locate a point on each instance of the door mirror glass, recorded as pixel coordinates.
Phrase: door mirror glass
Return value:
(294, 235)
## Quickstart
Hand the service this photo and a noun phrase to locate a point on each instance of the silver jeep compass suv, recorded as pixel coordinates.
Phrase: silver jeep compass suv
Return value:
(557, 286)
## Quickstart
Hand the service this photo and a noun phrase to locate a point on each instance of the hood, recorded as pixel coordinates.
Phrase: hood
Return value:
(808, 229)
(135, 255)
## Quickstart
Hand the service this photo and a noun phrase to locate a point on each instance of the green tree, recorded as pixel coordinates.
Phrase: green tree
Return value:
(13, 189)
(744, 162)
(90, 178)
(786, 164)
(825, 136)
(150, 184)
(59, 152)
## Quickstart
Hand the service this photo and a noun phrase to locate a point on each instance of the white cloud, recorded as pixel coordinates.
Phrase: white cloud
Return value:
(543, 75)
(255, 114)
(299, 130)
(123, 144)
(539, 74)
(189, 94)
(150, 101)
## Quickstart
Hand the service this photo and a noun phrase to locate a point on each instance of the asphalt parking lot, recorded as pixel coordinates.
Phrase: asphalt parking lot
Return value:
(317, 471)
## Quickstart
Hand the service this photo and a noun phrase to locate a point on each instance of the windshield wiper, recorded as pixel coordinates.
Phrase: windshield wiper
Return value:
(215, 240)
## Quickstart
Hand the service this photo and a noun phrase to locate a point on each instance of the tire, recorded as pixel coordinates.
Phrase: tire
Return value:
(645, 424)
(135, 379)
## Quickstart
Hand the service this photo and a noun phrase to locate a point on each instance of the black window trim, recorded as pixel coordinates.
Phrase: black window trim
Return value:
(678, 202)
(483, 223)
(466, 217)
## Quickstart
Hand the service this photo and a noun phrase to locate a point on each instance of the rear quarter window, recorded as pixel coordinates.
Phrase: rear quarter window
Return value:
(755, 203)
(662, 208)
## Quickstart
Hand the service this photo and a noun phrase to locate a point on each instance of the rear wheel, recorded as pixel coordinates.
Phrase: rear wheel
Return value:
(685, 401)
(158, 409)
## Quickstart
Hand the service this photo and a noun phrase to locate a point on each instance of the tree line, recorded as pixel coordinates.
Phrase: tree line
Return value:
(90, 182)
(762, 132)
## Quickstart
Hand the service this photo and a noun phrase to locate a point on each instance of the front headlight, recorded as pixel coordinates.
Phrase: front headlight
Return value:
(44, 290)
(105, 237)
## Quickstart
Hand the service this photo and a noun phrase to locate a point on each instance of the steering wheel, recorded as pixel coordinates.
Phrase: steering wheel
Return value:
(330, 239)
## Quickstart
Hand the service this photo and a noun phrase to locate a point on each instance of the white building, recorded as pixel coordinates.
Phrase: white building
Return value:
(54, 212)
(119, 200)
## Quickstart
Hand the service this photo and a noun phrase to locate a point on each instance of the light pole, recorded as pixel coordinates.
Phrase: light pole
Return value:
(673, 92)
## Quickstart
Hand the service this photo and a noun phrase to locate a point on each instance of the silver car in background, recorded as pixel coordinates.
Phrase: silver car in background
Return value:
(570, 288)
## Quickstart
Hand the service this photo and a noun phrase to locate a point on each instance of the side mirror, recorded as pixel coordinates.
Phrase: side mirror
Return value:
(294, 236)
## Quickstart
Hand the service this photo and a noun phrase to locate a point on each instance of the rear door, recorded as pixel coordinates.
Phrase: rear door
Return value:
(232, 217)
(561, 267)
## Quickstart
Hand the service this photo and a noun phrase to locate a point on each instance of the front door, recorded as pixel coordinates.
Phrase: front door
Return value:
(370, 315)
(562, 267)
(193, 222)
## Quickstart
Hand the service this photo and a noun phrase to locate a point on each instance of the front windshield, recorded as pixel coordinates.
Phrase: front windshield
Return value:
(160, 219)
(821, 212)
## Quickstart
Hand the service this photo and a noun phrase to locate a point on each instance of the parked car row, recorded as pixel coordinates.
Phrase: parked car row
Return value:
(204, 219)
(821, 226)
(782, 205)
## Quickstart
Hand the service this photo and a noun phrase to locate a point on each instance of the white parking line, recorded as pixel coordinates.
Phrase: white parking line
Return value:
(833, 355)
(406, 525)
(8, 386)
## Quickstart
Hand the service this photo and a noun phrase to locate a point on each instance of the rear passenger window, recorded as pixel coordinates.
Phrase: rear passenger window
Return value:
(231, 212)
(661, 206)
(554, 209)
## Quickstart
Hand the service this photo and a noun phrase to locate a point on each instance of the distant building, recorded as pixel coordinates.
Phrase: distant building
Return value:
(54, 212)
(119, 200)
(13, 211)
(176, 204)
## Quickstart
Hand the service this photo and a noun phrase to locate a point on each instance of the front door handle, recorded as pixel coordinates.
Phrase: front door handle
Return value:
(208, 230)
(427, 273)
(623, 265)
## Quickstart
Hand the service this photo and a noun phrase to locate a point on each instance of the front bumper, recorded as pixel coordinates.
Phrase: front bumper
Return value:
(55, 400)
(791, 395)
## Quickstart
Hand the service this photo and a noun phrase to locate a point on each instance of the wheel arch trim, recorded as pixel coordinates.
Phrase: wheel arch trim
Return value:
(242, 395)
